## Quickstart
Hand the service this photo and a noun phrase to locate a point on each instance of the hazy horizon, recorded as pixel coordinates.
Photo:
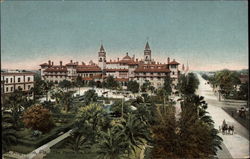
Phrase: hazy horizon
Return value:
(210, 35)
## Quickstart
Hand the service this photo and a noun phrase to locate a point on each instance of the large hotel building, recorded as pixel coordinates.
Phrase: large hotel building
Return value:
(123, 70)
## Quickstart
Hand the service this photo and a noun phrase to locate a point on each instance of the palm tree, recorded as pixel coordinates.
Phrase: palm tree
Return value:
(136, 131)
(66, 100)
(77, 141)
(112, 145)
(47, 86)
(16, 103)
(9, 136)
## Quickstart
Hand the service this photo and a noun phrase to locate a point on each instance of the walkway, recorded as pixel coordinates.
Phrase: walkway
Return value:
(237, 144)
(40, 152)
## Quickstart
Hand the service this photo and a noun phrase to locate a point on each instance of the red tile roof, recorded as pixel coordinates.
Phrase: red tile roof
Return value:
(116, 70)
(16, 73)
(88, 68)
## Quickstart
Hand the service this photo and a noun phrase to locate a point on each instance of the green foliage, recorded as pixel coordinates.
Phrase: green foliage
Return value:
(111, 83)
(112, 145)
(146, 112)
(64, 99)
(77, 141)
(167, 85)
(16, 102)
(243, 93)
(38, 86)
(51, 106)
(116, 107)
(9, 136)
(91, 119)
(65, 84)
(187, 85)
(193, 136)
(47, 86)
(38, 118)
(91, 83)
(90, 96)
(227, 81)
(133, 86)
(145, 86)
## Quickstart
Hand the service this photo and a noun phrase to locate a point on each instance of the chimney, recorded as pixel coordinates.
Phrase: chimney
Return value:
(168, 60)
(71, 61)
(60, 63)
(49, 63)
(118, 59)
(133, 57)
(52, 63)
(136, 60)
(127, 53)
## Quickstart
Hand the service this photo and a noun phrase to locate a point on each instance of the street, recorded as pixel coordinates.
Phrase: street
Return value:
(238, 144)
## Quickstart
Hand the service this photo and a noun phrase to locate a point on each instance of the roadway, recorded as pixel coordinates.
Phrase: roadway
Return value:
(238, 144)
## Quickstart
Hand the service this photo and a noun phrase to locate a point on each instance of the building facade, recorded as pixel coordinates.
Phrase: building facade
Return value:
(123, 70)
(14, 80)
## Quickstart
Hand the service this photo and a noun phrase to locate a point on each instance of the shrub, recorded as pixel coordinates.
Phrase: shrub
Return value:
(38, 118)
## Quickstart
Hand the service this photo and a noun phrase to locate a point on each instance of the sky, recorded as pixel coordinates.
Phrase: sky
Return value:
(209, 35)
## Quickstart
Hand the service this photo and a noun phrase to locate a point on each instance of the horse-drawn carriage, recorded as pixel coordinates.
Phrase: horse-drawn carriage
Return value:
(226, 128)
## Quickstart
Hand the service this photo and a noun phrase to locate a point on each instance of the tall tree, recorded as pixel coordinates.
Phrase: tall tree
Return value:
(133, 86)
(65, 84)
(227, 81)
(145, 86)
(111, 83)
(47, 86)
(90, 96)
(112, 145)
(168, 85)
(188, 84)
(16, 102)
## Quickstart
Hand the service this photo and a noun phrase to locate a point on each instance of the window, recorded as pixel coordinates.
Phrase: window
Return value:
(7, 80)
(137, 78)
(173, 66)
(19, 88)
(10, 80)
(7, 89)
(19, 79)
(173, 73)
(28, 79)
(28, 86)
(11, 89)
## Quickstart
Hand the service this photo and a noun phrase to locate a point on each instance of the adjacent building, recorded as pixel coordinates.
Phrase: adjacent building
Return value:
(14, 80)
(122, 69)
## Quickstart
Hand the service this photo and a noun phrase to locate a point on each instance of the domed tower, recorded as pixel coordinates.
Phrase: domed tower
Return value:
(147, 54)
(102, 58)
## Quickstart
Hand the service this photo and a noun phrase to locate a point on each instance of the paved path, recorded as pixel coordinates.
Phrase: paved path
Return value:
(237, 144)
(40, 152)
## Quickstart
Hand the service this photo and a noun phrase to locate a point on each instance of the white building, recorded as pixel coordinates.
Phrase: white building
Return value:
(123, 70)
(13, 80)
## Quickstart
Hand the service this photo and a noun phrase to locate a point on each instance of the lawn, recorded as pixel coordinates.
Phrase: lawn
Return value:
(27, 143)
